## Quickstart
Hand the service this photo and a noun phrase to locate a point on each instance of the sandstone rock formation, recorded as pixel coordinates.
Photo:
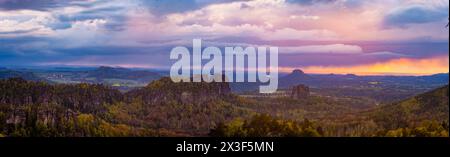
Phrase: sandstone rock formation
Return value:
(300, 92)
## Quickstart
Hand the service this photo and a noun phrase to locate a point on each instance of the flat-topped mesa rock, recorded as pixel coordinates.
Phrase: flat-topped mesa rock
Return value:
(300, 92)
(298, 72)
(165, 90)
(296, 77)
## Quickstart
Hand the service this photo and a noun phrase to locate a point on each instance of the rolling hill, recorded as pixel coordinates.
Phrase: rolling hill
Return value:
(7, 73)
(430, 106)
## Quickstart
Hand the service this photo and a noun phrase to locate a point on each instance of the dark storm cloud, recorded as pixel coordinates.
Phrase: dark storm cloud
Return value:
(17, 32)
(114, 16)
(161, 7)
(33, 4)
(25, 51)
(415, 14)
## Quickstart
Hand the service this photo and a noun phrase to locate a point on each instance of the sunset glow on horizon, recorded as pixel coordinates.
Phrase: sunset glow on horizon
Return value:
(397, 67)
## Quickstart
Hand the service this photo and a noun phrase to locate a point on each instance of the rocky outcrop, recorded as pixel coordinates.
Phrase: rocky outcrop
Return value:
(296, 77)
(83, 97)
(165, 90)
(45, 114)
(300, 92)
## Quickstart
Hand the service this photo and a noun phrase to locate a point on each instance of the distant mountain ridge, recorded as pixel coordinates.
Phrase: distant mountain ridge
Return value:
(127, 79)
(104, 72)
(6, 73)
(120, 78)
(330, 80)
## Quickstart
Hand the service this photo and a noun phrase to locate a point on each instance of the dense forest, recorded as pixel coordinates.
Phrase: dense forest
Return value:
(425, 115)
(164, 108)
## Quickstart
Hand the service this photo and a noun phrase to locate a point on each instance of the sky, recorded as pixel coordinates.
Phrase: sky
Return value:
(391, 37)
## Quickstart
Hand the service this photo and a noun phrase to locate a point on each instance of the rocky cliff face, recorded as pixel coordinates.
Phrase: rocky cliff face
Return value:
(165, 90)
(83, 97)
(43, 109)
(23, 101)
(300, 92)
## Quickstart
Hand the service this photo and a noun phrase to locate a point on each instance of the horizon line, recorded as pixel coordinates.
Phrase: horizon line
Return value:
(30, 67)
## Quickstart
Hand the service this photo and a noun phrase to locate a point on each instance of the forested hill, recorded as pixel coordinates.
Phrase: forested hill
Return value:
(430, 106)
(6, 73)
(425, 115)
(40, 109)
(85, 98)
(163, 108)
